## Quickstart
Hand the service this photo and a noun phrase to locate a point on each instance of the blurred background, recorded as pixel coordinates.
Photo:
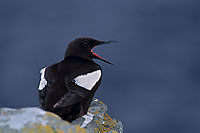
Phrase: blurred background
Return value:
(154, 84)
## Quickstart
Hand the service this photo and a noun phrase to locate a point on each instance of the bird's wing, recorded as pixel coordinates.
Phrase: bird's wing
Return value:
(74, 95)
(79, 88)
(69, 98)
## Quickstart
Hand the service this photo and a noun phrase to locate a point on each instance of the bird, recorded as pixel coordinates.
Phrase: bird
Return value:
(67, 87)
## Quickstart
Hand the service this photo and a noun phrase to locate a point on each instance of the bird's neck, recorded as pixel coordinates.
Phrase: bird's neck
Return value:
(79, 54)
(78, 57)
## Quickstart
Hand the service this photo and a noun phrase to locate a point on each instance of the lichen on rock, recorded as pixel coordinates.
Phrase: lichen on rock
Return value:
(101, 122)
(34, 120)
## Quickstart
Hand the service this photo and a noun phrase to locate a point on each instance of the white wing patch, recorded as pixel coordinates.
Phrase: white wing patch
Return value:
(88, 80)
(43, 81)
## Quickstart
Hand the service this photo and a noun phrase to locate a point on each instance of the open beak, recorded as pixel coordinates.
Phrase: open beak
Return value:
(96, 56)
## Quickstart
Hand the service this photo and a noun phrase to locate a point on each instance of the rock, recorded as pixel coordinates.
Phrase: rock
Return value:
(101, 122)
(34, 120)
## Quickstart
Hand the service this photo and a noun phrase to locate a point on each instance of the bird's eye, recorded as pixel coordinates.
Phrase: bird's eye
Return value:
(86, 44)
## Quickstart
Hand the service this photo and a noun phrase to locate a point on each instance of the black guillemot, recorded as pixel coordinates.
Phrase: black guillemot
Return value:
(67, 87)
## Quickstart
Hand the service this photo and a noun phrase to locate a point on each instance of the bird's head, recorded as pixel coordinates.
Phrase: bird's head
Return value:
(82, 47)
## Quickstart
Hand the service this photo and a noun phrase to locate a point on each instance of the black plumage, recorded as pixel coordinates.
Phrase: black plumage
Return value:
(59, 91)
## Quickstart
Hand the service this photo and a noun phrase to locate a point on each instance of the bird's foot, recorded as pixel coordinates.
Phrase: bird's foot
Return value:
(88, 118)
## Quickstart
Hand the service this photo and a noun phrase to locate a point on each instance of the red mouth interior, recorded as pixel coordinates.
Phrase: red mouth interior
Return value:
(96, 54)
(100, 58)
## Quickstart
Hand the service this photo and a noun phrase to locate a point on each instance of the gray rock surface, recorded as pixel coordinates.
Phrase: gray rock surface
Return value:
(101, 122)
(34, 120)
